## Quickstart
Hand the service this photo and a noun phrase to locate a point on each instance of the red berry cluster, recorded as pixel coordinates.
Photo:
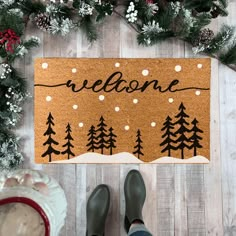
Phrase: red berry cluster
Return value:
(9, 39)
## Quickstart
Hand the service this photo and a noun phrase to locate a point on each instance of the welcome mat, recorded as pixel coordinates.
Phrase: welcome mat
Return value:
(122, 110)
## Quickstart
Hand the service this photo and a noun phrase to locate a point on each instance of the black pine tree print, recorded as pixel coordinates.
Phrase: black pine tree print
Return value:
(102, 135)
(50, 141)
(195, 137)
(92, 140)
(138, 148)
(168, 136)
(111, 140)
(183, 141)
(68, 144)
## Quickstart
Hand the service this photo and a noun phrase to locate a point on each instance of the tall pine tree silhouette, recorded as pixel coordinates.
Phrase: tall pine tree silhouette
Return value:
(183, 141)
(195, 137)
(68, 144)
(138, 148)
(111, 140)
(50, 141)
(92, 140)
(102, 135)
(168, 136)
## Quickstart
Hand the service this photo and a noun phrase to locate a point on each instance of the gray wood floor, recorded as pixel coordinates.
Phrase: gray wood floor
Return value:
(182, 200)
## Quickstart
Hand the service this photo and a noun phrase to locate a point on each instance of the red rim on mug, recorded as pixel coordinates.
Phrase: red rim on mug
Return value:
(32, 204)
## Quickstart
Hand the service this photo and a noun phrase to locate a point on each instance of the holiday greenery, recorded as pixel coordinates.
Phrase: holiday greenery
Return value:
(153, 20)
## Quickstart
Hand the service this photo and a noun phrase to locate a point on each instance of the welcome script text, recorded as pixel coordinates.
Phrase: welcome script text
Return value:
(115, 83)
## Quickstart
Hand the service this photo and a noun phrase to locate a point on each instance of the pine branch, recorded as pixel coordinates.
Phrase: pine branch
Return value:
(23, 49)
(29, 6)
(15, 81)
(3, 53)
(165, 17)
(76, 4)
(89, 28)
(10, 156)
(228, 57)
(32, 42)
(204, 5)
(11, 21)
(146, 11)
(223, 3)
(221, 39)
(201, 20)
(103, 10)
(153, 38)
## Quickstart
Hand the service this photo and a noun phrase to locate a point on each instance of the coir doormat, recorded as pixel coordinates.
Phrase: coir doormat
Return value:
(122, 110)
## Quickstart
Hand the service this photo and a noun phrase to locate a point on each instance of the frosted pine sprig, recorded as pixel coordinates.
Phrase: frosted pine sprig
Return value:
(152, 28)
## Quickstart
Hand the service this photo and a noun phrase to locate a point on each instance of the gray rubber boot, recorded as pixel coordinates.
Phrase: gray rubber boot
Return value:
(97, 209)
(135, 195)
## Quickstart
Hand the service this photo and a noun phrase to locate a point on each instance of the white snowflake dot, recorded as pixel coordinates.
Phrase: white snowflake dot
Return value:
(171, 100)
(198, 92)
(199, 66)
(45, 65)
(117, 64)
(145, 72)
(126, 127)
(74, 70)
(153, 124)
(48, 98)
(178, 68)
(117, 109)
(135, 101)
(101, 97)
(75, 107)
(81, 124)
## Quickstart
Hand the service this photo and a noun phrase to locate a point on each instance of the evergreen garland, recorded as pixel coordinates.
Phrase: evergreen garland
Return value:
(153, 20)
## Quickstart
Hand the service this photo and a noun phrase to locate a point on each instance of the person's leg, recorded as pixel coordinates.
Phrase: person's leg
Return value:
(97, 209)
(138, 230)
(135, 195)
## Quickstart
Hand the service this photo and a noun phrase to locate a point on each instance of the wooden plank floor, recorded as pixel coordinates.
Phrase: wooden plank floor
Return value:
(182, 200)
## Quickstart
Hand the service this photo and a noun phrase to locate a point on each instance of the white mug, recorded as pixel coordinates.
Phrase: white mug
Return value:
(37, 196)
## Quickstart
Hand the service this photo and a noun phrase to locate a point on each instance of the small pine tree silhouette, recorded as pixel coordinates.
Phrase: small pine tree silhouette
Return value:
(182, 139)
(102, 135)
(195, 137)
(168, 136)
(92, 139)
(111, 140)
(50, 141)
(138, 148)
(68, 144)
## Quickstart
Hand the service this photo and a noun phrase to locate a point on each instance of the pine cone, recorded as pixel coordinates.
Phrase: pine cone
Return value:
(204, 38)
(42, 20)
